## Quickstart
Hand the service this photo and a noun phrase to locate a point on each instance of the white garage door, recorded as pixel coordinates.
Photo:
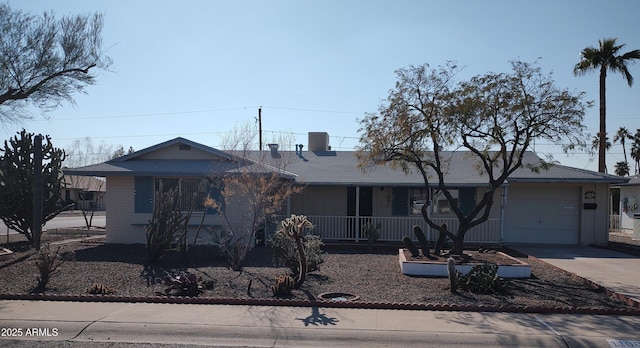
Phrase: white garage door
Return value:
(545, 214)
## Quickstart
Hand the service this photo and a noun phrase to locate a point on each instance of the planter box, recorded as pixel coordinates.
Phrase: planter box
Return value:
(517, 269)
(5, 253)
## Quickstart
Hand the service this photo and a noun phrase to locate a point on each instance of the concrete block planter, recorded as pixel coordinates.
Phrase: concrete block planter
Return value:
(517, 269)
(5, 253)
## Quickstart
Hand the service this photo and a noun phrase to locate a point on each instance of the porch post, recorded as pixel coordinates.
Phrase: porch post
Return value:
(502, 207)
(357, 224)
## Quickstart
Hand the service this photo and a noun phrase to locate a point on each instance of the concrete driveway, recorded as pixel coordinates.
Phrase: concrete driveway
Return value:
(613, 270)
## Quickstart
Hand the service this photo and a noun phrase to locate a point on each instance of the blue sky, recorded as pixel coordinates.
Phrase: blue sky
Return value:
(196, 68)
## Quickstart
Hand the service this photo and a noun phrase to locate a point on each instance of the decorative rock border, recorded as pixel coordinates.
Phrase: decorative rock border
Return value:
(633, 311)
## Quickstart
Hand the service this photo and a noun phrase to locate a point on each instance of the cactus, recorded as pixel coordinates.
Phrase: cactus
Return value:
(453, 274)
(283, 287)
(408, 243)
(371, 232)
(100, 289)
(294, 227)
(484, 279)
(442, 237)
(424, 244)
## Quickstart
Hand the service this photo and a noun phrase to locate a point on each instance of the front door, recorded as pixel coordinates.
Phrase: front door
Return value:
(365, 207)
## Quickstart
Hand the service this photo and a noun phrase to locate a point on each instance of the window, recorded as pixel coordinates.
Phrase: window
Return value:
(190, 190)
(441, 205)
(85, 195)
(417, 199)
(463, 198)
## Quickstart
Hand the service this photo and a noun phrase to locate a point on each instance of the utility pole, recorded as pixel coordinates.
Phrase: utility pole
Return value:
(260, 128)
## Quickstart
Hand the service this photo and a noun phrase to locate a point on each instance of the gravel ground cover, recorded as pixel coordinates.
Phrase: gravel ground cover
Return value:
(373, 275)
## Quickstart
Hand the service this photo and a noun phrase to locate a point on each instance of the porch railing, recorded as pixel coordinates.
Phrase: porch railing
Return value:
(349, 228)
(614, 223)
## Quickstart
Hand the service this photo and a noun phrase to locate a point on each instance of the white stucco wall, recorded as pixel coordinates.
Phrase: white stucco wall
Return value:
(120, 216)
(629, 205)
(124, 226)
(320, 200)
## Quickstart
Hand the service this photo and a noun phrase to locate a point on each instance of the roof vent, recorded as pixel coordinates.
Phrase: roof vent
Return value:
(184, 147)
(274, 150)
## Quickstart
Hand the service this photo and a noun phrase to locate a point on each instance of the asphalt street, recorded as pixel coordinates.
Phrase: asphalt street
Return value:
(75, 324)
(64, 221)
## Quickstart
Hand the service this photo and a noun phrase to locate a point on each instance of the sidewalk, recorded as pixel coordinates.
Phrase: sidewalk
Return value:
(615, 271)
(264, 326)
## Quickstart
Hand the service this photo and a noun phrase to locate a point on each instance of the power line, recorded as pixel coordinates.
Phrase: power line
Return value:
(146, 115)
(198, 112)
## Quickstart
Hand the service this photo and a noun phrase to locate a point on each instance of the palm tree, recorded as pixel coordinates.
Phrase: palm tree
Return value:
(595, 145)
(622, 168)
(635, 149)
(605, 58)
(622, 135)
(595, 142)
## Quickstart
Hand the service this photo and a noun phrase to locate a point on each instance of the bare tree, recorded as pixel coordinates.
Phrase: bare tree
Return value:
(494, 117)
(44, 60)
(256, 186)
(119, 152)
(87, 192)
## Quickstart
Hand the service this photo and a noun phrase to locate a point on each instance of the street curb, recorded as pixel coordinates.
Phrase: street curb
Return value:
(635, 311)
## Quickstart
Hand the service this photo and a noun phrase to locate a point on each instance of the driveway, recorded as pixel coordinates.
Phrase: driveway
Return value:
(613, 270)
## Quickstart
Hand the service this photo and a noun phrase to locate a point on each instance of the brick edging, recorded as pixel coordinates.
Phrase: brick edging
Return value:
(635, 311)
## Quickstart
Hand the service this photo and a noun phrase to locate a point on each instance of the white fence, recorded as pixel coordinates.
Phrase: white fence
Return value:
(347, 228)
(614, 223)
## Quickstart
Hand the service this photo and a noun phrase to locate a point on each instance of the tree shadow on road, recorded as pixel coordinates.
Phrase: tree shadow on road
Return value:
(316, 318)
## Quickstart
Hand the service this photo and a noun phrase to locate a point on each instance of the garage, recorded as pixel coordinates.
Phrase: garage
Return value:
(542, 213)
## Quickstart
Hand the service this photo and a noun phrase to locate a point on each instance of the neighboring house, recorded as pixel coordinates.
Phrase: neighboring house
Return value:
(562, 205)
(630, 207)
(84, 192)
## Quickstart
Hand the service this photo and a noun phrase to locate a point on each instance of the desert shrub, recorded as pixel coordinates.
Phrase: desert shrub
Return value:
(167, 228)
(483, 279)
(183, 284)
(47, 261)
(231, 248)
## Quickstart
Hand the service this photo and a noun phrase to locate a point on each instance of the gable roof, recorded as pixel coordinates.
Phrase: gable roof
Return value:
(340, 168)
(322, 168)
(150, 162)
(176, 141)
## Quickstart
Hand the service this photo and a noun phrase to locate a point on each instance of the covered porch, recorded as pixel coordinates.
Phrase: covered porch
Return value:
(392, 229)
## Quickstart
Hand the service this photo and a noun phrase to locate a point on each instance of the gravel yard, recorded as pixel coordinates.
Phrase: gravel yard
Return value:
(373, 275)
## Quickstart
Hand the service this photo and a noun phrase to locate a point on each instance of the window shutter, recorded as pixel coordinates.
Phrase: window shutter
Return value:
(143, 194)
(467, 199)
(400, 201)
